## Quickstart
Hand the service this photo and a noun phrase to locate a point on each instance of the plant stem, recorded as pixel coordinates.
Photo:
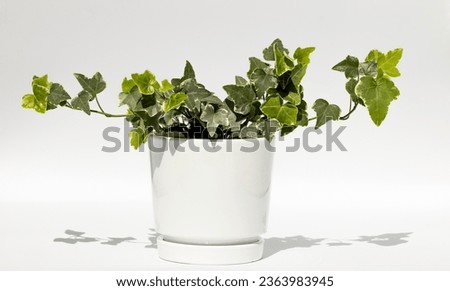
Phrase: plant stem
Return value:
(108, 114)
(99, 112)
(345, 117)
(99, 106)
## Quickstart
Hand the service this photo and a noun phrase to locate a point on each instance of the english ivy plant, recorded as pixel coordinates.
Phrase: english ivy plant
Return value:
(270, 98)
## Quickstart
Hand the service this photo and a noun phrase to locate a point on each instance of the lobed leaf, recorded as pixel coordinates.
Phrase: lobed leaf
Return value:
(93, 85)
(146, 82)
(325, 112)
(284, 113)
(174, 101)
(377, 94)
(81, 102)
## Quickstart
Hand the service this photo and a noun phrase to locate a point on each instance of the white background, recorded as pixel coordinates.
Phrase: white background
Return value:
(392, 179)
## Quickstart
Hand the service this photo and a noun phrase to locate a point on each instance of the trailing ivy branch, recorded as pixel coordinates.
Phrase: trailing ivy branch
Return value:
(270, 98)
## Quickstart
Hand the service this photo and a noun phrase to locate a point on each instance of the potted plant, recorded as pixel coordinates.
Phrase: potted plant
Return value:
(211, 159)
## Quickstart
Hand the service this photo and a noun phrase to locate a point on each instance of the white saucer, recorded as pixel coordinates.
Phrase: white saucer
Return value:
(210, 254)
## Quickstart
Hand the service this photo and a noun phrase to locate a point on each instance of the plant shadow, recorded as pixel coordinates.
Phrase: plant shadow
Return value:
(74, 237)
(274, 245)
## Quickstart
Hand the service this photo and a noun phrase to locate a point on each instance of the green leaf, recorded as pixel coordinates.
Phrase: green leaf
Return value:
(81, 102)
(269, 127)
(242, 96)
(57, 95)
(377, 95)
(285, 114)
(325, 112)
(263, 80)
(368, 68)
(302, 115)
(153, 110)
(293, 97)
(255, 64)
(131, 99)
(214, 118)
(282, 61)
(387, 63)
(194, 90)
(166, 86)
(297, 74)
(38, 100)
(196, 93)
(349, 66)
(240, 81)
(174, 101)
(29, 101)
(188, 71)
(269, 54)
(41, 81)
(146, 82)
(302, 55)
(127, 85)
(212, 100)
(93, 85)
(350, 88)
(287, 129)
(136, 137)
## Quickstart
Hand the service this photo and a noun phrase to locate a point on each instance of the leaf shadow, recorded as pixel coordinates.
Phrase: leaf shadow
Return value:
(275, 245)
(74, 237)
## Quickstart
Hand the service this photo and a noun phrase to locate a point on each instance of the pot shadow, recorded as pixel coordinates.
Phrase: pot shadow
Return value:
(74, 237)
(274, 245)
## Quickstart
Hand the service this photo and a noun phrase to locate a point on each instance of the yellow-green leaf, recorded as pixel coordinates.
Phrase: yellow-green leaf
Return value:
(174, 101)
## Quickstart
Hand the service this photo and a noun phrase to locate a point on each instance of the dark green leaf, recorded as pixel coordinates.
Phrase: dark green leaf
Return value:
(302, 115)
(263, 80)
(188, 71)
(242, 96)
(349, 66)
(240, 81)
(255, 64)
(325, 112)
(131, 99)
(81, 102)
(93, 85)
(269, 54)
(350, 87)
(57, 95)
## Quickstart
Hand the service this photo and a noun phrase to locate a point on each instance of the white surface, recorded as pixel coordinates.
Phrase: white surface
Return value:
(310, 237)
(392, 179)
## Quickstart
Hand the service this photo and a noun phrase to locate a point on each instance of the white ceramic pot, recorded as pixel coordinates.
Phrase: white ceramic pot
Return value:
(210, 199)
